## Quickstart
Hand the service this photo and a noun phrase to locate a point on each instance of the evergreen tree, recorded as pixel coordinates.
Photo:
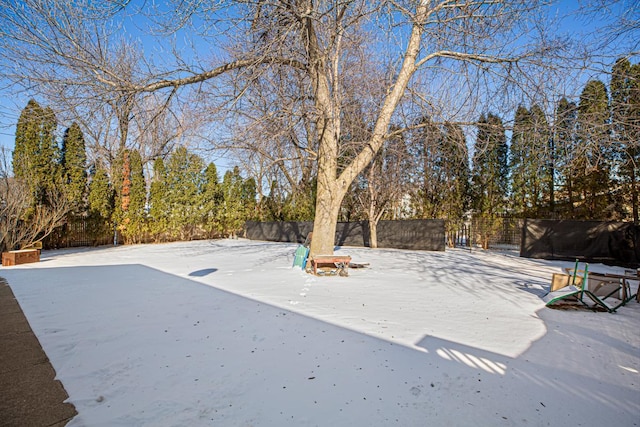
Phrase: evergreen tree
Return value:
(135, 214)
(625, 118)
(121, 181)
(518, 162)
(531, 163)
(211, 201)
(490, 174)
(233, 214)
(565, 154)
(184, 180)
(456, 169)
(294, 204)
(100, 198)
(432, 179)
(159, 208)
(490, 166)
(101, 203)
(593, 181)
(271, 204)
(631, 164)
(444, 191)
(544, 152)
(73, 162)
(36, 154)
(300, 205)
(249, 193)
(28, 136)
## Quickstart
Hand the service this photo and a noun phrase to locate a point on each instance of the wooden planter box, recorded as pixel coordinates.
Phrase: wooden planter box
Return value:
(23, 256)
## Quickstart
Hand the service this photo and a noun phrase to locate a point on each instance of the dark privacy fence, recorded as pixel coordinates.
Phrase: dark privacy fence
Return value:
(615, 243)
(422, 234)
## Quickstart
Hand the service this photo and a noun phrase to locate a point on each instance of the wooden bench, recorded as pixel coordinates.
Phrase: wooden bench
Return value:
(340, 262)
(22, 256)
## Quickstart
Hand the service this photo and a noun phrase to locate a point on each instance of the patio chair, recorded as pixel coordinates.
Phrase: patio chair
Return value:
(577, 291)
(300, 257)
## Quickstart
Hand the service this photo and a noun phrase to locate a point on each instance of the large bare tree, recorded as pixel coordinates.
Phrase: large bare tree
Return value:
(405, 38)
(79, 57)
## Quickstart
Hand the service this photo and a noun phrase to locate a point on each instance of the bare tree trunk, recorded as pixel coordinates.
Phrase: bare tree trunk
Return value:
(325, 223)
(373, 234)
(374, 219)
(373, 222)
(329, 192)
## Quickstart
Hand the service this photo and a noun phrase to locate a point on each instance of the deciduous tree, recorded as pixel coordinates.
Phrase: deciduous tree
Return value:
(22, 223)
(384, 183)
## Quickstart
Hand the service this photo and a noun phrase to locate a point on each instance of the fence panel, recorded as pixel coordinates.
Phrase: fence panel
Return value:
(407, 234)
(496, 233)
(76, 234)
(504, 232)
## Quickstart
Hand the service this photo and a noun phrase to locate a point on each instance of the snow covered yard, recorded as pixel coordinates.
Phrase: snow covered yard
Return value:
(226, 333)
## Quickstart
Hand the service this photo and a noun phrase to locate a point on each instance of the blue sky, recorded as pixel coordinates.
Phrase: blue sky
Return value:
(11, 104)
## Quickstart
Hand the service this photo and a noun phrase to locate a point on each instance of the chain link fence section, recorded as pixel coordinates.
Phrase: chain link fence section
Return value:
(487, 233)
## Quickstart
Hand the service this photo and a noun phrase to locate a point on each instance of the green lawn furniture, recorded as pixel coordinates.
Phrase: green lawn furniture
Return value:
(579, 291)
(300, 257)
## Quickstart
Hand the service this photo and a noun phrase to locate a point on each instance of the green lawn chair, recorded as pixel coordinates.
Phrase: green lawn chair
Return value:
(300, 257)
(577, 291)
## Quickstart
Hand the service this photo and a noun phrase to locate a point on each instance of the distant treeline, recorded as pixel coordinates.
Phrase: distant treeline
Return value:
(579, 162)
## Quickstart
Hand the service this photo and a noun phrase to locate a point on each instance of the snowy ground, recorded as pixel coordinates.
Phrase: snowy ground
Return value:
(226, 333)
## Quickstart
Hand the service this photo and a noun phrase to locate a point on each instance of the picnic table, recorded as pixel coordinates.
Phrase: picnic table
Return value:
(626, 286)
(340, 262)
(609, 284)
